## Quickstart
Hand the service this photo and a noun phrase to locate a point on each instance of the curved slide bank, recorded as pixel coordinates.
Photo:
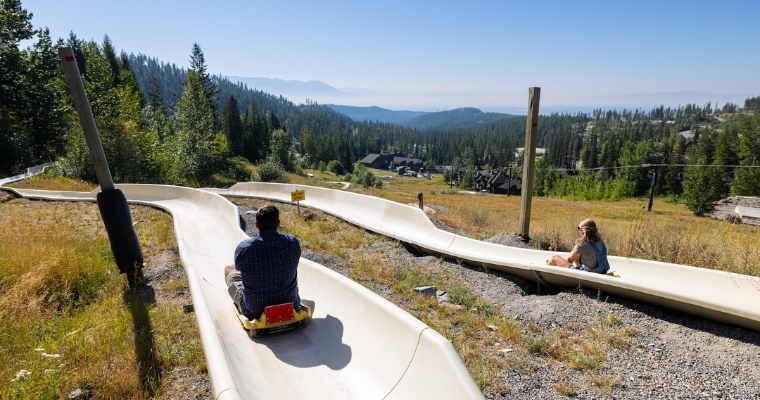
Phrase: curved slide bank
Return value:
(38, 169)
(358, 345)
(721, 296)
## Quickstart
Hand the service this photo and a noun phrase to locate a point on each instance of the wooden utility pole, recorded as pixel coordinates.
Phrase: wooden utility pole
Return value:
(651, 190)
(82, 106)
(529, 160)
(112, 203)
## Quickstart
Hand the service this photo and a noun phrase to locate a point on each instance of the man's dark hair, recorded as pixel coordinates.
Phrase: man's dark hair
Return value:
(268, 217)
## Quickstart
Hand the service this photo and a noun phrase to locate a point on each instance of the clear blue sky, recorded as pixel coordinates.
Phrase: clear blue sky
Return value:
(445, 54)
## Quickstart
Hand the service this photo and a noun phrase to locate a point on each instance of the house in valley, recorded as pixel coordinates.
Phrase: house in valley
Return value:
(390, 161)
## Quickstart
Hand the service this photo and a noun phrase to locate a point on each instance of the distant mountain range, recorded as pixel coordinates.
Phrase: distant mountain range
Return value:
(296, 91)
(453, 118)
(419, 119)
(376, 114)
(300, 91)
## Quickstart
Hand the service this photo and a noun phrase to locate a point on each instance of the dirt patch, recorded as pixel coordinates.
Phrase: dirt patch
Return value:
(6, 196)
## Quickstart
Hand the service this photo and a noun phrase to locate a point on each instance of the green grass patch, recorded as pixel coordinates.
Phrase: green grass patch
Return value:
(589, 357)
(75, 323)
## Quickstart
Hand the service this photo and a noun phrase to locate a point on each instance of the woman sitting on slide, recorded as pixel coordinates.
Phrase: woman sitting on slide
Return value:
(589, 253)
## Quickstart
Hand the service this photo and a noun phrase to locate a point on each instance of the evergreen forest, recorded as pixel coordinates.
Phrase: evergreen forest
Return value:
(160, 123)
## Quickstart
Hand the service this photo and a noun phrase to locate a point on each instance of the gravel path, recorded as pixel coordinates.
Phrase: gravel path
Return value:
(670, 355)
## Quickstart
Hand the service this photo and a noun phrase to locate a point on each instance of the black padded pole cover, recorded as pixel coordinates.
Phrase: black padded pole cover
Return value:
(118, 221)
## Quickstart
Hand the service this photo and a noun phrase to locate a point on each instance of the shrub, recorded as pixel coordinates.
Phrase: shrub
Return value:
(468, 180)
(298, 170)
(238, 168)
(271, 170)
(362, 176)
(551, 241)
(335, 167)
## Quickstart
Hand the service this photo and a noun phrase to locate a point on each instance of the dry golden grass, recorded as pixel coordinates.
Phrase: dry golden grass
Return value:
(669, 233)
(565, 389)
(50, 182)
(604, 383)
(74, 321)
(319, 232)
(317, 176)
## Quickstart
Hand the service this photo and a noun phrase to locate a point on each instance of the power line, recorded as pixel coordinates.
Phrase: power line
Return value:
(701, 165)
(659, 166)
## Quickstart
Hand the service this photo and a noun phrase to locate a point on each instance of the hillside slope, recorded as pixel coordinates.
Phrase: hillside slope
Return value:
(453, 118)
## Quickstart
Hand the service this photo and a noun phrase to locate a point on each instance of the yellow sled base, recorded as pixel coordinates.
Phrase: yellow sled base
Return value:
(276, 318)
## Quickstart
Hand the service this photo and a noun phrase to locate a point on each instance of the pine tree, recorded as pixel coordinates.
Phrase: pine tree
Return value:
(110, 52)
(155, 94)
(47, 97)
(232, 126)
(671, 179)
(702, 185)
(468, 180)
(748, 179)
(255, 134)
(345, 154)
(280, 146)
(128, 80)
(725, 154)
(76, 46)
(210, 89)
(274, 123)
(15, 26)
(195, 129)
(305, 137)
(589, 155)
(635, 155)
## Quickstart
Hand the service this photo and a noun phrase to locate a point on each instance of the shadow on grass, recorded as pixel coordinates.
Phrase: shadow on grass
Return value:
(139, 301)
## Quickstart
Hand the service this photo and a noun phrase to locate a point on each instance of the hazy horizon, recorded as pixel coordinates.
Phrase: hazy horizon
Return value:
(433, 55)
(323, 93)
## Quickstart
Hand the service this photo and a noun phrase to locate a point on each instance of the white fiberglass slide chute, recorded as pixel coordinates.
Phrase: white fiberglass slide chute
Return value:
(37, 169)
(358, 345)
(717, 295)
(347, 355)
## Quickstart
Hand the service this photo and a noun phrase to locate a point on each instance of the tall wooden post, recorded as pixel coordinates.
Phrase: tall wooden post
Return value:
(651, 190)
(111, 201)
(529, 160)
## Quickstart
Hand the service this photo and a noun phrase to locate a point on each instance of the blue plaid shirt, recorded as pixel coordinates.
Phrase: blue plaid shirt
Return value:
(268, 263)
